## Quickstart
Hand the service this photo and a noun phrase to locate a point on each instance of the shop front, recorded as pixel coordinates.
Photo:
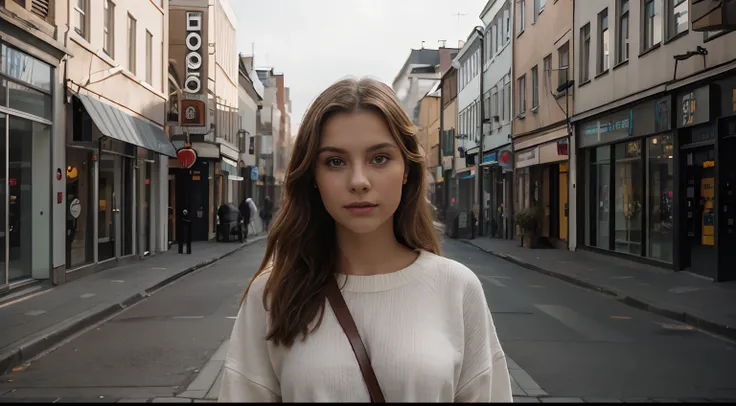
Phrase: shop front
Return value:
(627, 182)
(705, 196)
(542, 179)
(497, 193)
(113, 163)
(26, 121)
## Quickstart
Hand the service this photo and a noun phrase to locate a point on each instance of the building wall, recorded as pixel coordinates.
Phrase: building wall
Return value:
(429, 123)
(92, 68)
(469, 96)
(224, 24)
(497, 74)
(552, 30)
(646, 72)
(248, 109)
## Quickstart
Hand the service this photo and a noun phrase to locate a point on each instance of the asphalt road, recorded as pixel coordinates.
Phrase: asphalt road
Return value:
(577, 342)
(152, 349)
(572, 341)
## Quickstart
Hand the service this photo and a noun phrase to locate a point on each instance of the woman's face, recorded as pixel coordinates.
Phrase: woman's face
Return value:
(360, 171)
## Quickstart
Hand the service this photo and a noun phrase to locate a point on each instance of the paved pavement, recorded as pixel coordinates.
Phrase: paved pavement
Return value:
(36, 323)
(678, 295)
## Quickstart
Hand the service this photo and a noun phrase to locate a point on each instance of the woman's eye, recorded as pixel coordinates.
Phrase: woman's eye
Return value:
(380, 159)
(334, 162)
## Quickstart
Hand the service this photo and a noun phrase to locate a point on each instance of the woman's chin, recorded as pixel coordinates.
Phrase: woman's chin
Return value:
(361, 225)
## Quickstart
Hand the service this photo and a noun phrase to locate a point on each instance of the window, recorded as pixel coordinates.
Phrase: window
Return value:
(487, 105)
(506, 97)
(599, 203)
(660, 186)
(603, 41)
(80, 17)
(536, 11)
(507, 25)
(522, 11)
(499, 33)
(131, 44)
(108, 31)
(623, 30)
(487, 43)
(494, 103)
(652, 23)
(629, 192)
(535, 87)
(149, 57)
(585, 53)
(563, 64)
(547, 71)
(522, 94)
(678, 18)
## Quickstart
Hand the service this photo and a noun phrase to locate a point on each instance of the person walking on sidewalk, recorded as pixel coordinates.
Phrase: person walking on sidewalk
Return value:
(352, 301)
(267, 213)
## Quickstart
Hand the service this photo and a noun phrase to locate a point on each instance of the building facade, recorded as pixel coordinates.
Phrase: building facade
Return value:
(117, 151)
(656, 145)
(268, 133)
(496, 162)
(250, 98)
(205, 80)
(32, 144)
(428, 127)
(542, 71)
(448, 145)
(469, 78)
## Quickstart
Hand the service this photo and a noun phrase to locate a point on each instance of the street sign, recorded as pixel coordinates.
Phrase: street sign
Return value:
(254, 173)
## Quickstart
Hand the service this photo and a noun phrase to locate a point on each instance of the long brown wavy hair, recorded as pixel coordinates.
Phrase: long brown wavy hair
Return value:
(301, 250)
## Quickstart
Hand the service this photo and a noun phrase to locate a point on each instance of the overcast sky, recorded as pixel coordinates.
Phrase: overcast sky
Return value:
(317, 42)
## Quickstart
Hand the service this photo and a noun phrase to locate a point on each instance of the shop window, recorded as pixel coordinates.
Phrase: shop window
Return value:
(81, 208)
(660, 187)
(629, 194)
(599, 184)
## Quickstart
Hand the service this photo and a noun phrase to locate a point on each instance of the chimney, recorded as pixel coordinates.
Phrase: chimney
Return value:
(445, 60)
(460, 44)
(443, 43)
(422, 44)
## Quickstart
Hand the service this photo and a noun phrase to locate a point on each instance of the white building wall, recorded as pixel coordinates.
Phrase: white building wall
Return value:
(248, 108)
(497, 75)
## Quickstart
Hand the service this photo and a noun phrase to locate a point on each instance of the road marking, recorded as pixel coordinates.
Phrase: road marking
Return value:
(87, 295)
(187, 317)
(117, 281)
(590, 329)
(621, 317)
(493, 281)
(159, 269)
(35, 312)
(231, 317)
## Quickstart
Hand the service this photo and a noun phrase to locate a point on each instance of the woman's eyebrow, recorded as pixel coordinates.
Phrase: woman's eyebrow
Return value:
(369, 149)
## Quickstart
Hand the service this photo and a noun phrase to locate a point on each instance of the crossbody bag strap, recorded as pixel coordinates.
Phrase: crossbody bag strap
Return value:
(348, 326)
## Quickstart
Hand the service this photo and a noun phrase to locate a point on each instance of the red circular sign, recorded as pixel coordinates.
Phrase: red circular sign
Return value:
(186, 157)
(505, 156)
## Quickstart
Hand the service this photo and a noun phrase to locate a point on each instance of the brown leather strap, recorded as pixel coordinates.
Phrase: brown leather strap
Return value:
(348, 326)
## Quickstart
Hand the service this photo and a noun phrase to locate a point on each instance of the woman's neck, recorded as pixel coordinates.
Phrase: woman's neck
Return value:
(371, 254)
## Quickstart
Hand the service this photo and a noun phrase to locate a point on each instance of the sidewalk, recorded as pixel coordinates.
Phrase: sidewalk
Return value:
(678, 295)
(35, 324)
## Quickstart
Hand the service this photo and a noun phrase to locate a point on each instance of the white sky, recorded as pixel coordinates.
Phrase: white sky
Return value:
(317, 42)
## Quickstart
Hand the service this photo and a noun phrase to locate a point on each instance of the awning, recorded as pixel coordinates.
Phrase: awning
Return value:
(115, 123)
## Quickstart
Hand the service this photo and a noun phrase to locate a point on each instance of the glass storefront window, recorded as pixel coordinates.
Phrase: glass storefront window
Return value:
(660, 187)
(80, 208)
(25, 68)
(599, 203)
(30, 101)
(629, 193)
(3, 198)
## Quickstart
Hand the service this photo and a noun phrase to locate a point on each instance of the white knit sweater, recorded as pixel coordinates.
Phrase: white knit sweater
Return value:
(427, 330)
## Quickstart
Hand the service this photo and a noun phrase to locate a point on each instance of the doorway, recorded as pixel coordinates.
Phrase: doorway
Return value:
(115, 208)
(699, 254)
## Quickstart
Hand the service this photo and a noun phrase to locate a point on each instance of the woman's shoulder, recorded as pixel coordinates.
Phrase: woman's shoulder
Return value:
(450, 270)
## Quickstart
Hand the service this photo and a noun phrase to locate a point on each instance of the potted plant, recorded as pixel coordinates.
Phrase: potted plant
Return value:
(528, 219)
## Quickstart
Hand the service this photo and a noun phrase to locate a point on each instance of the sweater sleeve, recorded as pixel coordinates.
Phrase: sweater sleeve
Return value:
(248, 374)
(484, 376)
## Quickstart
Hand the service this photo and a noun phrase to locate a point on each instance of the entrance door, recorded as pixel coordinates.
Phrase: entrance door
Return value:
(3, 199)
(727, 200)
(107, 207)
(563, 203)
(699, 210)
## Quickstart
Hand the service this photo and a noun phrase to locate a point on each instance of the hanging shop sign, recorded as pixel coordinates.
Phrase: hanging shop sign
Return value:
(193, 80)
(186, 157)
(506, 159)
(192, 113)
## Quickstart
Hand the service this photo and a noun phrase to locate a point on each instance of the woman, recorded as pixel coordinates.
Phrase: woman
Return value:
(354, 209)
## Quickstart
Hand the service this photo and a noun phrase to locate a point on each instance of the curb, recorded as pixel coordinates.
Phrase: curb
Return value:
(684, 317)
(48, 338)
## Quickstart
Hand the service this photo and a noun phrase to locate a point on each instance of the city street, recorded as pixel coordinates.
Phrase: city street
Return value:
(571, 341)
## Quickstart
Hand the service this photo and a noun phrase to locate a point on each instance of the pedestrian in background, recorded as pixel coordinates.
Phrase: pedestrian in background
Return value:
(353, 253)
(267, 213)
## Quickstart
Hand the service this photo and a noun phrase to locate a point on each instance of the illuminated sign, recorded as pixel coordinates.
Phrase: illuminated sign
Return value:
(193, 82)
